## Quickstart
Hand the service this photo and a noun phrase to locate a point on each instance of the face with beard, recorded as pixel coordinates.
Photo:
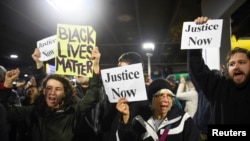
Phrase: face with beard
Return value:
(239, 68)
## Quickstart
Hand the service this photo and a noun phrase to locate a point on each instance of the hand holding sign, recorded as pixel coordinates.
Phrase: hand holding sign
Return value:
(201, 20)
(36, 57)
(123, 107)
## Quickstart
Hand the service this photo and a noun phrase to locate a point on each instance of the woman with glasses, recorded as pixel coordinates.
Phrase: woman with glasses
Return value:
(163, 121)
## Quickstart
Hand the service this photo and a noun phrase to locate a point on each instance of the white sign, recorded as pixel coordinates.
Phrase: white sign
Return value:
(126, 81)
(47, 48)
(198, 36)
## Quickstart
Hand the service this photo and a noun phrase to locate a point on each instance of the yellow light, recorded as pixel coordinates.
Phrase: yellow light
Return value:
(241, 42)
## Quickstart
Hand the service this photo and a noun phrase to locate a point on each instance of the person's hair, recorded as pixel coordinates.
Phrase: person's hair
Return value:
(131, 58)
(70, 92)
(237, 50)
(2, 74)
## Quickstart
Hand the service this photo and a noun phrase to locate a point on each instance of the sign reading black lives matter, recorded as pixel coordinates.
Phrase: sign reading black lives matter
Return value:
(198, 36)
(126, 81)
(73, 50)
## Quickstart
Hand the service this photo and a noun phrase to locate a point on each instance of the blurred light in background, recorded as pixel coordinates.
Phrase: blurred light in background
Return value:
(13, 56)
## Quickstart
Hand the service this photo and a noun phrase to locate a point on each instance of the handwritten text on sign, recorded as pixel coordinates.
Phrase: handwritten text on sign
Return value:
(197, 36)
(127, 81)
(74, 46)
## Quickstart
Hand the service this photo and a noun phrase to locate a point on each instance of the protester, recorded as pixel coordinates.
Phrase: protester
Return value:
(9, 95)
(30, 93)
(162, 121)
(55, 114)
(90, 126)
(171, 79)
(229, 96)
(187, 93)
(111, 116)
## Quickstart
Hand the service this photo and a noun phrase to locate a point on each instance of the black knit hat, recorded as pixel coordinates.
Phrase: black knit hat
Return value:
(157, 85)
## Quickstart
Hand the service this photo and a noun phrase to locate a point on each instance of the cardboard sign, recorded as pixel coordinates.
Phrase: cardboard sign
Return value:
(126, 81)
(73, 51)
(47, 48)
(198, 36)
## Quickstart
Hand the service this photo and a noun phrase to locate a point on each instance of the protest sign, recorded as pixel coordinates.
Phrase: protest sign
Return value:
(126, 81)
(47, 47)
(73, 51)
(198, 36)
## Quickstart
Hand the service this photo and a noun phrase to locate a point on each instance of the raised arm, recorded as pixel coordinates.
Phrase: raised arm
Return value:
(35, 56)
(96, 55)
(38, 72)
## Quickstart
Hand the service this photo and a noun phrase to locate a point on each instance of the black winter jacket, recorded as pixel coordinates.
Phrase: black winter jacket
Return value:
(60, 125)
(179, 124)
(231, 104)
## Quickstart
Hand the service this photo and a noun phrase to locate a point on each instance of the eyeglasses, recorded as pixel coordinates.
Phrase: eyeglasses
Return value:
(163, 95)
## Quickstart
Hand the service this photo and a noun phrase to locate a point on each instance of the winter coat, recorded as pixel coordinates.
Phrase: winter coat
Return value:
(111, 118)
(231, 103)
(190, 96)
(91, 125)
(177, 126)
(59, 125)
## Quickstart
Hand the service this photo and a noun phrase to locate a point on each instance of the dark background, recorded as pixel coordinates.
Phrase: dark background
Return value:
(121, 26)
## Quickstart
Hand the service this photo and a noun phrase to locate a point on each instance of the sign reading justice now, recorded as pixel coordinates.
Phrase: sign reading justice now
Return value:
(126, 81)
(198, 36)
(47, 47)
(73, 51)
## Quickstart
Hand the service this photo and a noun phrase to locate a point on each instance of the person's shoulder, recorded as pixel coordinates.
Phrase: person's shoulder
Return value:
(176, 111)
